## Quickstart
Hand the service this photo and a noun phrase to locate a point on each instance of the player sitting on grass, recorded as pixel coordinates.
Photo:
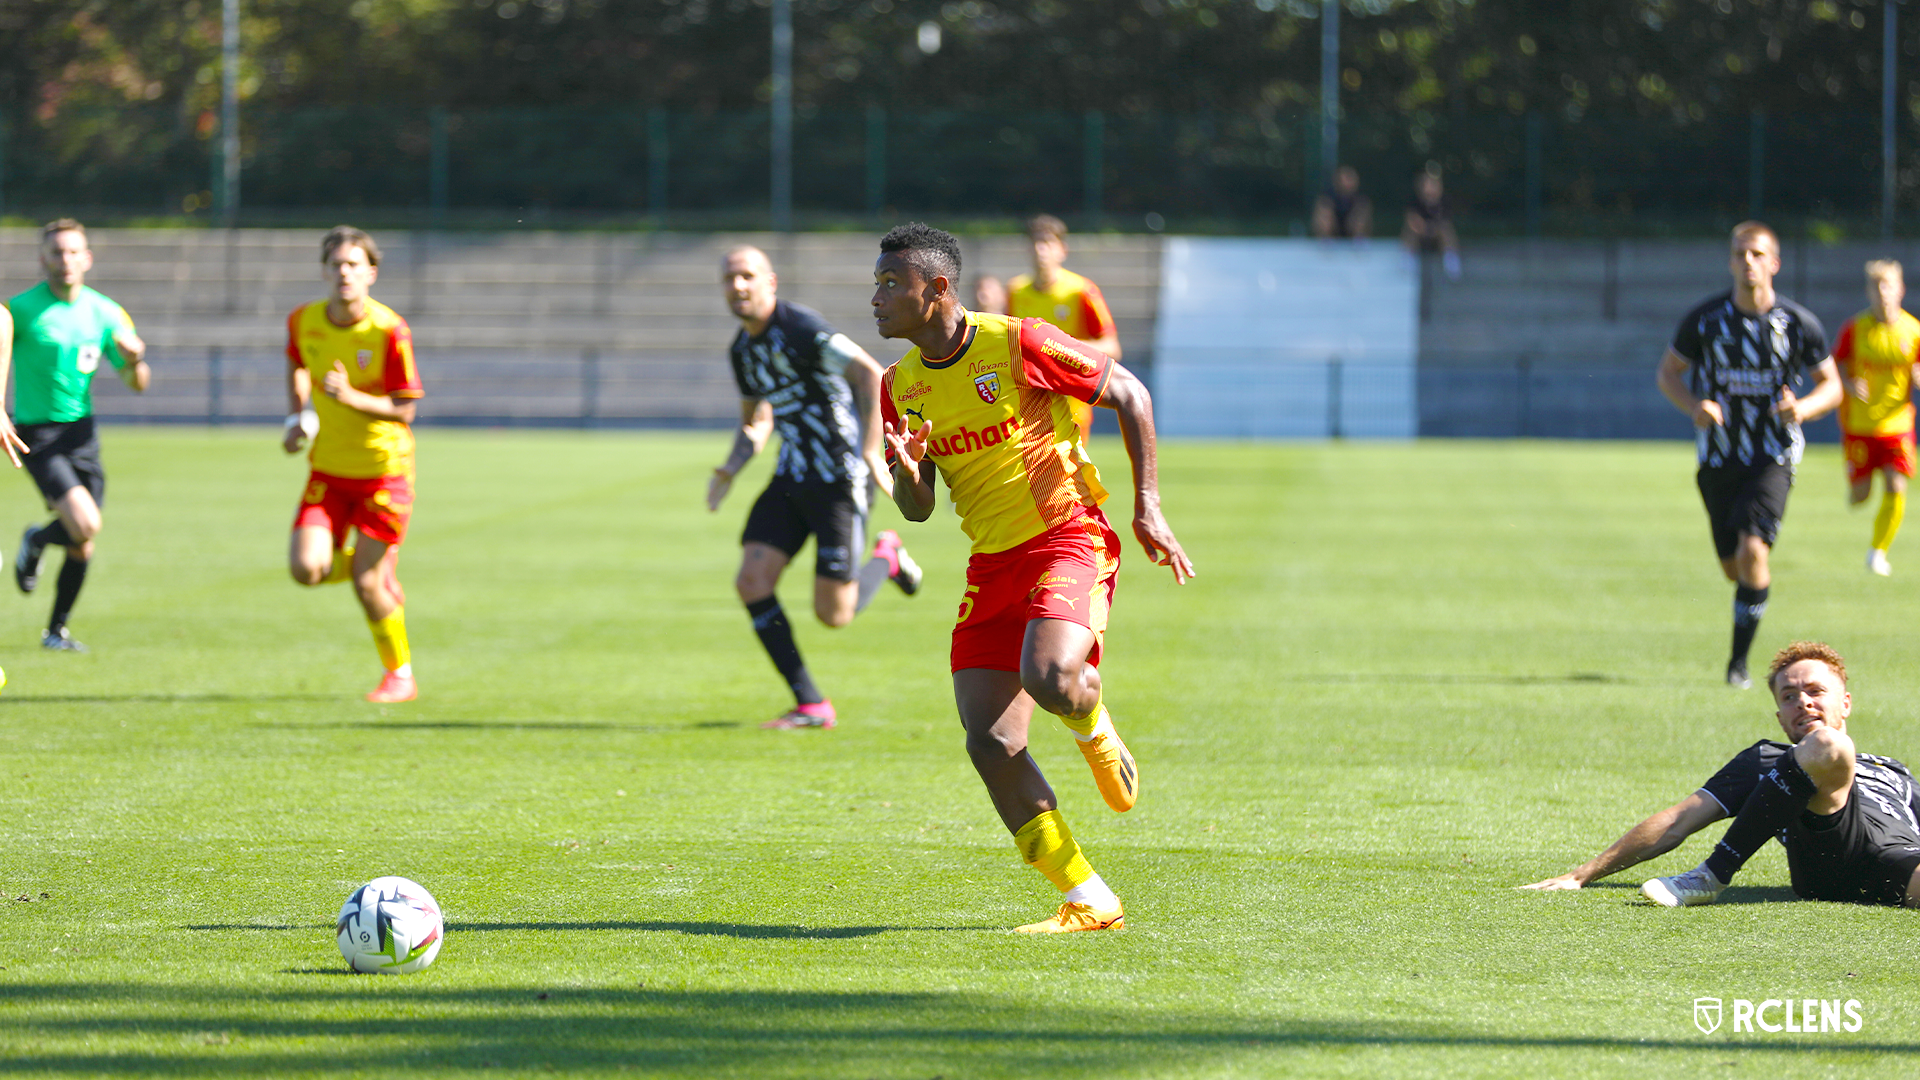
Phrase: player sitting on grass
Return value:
(1847, 819)
(983, 401)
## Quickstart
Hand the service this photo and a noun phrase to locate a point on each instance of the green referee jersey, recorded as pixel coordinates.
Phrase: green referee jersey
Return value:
(57, 346)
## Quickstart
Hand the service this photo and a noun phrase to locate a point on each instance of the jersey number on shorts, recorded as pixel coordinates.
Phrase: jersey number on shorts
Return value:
(966, 604)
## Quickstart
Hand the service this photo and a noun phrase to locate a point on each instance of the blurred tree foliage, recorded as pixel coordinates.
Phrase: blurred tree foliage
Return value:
(99, 83)
(1685, 57)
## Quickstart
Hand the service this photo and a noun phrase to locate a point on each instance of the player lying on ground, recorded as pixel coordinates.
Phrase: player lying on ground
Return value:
(360, 354)
(985, 401)
(1847, 819)
(821, 392)
(1875, 354)
(62, 330)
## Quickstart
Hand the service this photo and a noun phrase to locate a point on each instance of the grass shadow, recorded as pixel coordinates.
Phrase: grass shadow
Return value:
(1574, 678)
(746, 931)
(390, 1027)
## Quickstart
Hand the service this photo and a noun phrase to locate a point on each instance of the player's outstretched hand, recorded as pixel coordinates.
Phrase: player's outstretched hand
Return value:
(1151, 527)
(1555, 884)
(908, 445)
(11, 439)
(718, 485)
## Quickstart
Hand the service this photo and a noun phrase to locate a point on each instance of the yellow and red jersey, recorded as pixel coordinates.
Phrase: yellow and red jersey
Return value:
(1004, 435)
(1073, 304)
(1883, 354)
(377, 352)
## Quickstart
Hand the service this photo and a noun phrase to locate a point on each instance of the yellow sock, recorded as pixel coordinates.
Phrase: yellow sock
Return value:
(1083, 725)
(1048, 846)
(390, 637)
(1886, 523)
(342, 569)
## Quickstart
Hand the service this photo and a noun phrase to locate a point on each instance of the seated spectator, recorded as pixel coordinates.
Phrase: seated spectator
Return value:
(1429, 226)
(1341, 212)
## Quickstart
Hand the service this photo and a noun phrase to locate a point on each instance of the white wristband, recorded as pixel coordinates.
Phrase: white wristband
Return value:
(306, 420)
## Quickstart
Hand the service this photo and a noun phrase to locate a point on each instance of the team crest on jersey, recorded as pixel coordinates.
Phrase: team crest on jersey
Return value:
(363, 358)
(988, 386)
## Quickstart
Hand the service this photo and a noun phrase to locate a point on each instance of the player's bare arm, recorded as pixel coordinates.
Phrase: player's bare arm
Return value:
(1672, 381)
(1127, 396)
(9, 438)
(337, 386)
(299, 406)
(913, 471)
(133, 351)
(756, 427)
(1822, 397)
(1651, 838)
(863, 378)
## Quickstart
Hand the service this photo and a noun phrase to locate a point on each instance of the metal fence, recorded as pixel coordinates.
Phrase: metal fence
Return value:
(1534, 173)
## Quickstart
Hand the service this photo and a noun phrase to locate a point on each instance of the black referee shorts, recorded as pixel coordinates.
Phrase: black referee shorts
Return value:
(64, 456)
(787, 513)
(1749, 499)
(1855, 856)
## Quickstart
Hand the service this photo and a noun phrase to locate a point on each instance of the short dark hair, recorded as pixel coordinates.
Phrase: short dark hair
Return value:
(933, 252)
(1046, 227)
(341, 236)
(1806, 650)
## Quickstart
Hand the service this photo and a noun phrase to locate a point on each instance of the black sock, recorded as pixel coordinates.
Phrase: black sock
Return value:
(1748, 606)
(776, 635)
(72, 573)
(53, 533)
(1783, 793)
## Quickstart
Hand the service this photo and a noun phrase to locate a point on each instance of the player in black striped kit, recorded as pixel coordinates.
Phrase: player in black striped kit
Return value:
(821, 392)
(1731, 368)
(1850, 821)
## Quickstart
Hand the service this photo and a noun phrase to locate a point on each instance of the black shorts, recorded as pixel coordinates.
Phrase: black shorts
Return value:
(1749, 499)
(1853, 857)
(64, 456)
(787, 513)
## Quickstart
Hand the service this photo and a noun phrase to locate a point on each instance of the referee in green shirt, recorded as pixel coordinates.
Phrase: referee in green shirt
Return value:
(61, 332)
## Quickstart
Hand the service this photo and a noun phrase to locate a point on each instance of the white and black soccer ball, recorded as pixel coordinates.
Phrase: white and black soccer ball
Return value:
(390, 926)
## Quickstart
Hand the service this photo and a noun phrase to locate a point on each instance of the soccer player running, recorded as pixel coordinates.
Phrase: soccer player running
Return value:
(1066, 299)
(821, 392)
(1847, 819)
(983, 400)
(359, 354)
(1876, 352)
(61, 331)
(1730, 369)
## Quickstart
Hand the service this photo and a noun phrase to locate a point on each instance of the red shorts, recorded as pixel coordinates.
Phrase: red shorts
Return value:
(379, 507)
(1868, 454)
(1064, 573)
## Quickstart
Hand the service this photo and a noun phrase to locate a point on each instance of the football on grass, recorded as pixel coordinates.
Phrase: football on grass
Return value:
(390, 926)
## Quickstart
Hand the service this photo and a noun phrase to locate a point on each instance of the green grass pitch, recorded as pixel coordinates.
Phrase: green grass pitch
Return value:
(1409, 678)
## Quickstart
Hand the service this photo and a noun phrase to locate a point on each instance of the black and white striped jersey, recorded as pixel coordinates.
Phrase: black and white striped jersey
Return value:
(798, 367)
(1742, 361)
